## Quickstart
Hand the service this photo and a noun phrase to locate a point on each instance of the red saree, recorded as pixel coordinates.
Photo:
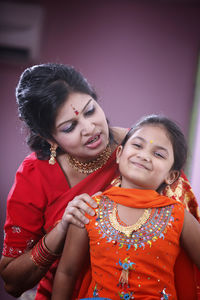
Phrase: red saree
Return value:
(37, 201)
(187, 276)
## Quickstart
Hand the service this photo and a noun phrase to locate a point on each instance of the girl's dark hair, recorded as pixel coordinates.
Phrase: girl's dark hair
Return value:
(41, 91)
(174, 133)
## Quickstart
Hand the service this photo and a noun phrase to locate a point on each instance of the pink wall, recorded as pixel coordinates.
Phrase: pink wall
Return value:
(141, 58)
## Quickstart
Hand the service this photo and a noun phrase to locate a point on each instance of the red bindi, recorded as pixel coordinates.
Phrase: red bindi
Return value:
(75, 110)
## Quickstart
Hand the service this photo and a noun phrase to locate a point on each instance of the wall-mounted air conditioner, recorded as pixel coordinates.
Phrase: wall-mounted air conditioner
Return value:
(20, 31)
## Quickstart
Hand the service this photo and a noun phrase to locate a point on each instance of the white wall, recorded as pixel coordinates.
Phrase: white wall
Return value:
(195, 166)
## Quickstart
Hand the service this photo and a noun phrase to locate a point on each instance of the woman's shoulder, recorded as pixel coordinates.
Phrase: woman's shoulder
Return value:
(32, 164)
(40, 171)
(119, 133)
(32, 160)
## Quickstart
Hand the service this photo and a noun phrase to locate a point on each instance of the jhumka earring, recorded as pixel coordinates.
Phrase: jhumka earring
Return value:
(52, 160)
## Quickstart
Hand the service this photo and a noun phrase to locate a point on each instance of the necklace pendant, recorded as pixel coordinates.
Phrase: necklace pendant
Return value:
(128, 230)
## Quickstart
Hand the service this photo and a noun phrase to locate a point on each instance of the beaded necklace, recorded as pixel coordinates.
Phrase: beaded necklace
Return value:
(90, 166)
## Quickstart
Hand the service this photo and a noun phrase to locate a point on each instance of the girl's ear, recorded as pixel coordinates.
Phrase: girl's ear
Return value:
(172, 177)
(118, 153)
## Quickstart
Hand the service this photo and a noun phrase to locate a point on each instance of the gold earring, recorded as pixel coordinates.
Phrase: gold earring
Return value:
(168, 191)
(52, 160)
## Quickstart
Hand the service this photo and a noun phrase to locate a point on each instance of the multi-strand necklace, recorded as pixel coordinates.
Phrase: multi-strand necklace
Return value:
(92, 165)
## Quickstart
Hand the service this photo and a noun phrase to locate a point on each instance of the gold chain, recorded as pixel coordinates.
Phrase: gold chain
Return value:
(127, 230)
(90, 166)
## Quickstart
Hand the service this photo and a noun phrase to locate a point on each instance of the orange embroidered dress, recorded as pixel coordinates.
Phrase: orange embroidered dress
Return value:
(137, 264)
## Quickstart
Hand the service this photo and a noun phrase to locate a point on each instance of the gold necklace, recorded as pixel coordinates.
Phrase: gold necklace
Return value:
(92, 165)
(127, 230)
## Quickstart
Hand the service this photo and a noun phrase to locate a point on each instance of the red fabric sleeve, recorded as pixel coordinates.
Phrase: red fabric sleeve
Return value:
(25, 206)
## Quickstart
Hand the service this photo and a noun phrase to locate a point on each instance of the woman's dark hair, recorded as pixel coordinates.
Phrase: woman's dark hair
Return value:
(174, 133)
(41, 91)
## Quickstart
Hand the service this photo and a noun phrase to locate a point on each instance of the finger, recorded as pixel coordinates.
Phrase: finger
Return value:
(89, 200)
(79, 223)
(83, 202)
(78, 214)
(72, 220)
(96, 194)
(84, 208)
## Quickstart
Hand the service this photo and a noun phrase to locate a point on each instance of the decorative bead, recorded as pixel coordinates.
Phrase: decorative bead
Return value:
(140, 238)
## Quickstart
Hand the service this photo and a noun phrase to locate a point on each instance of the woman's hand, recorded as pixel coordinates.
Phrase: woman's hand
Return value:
(16, 271)
(76, 210)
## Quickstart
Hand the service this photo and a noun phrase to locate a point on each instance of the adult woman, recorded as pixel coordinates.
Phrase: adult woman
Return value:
(59, 108)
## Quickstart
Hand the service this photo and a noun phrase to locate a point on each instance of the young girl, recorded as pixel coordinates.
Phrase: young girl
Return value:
(135, 236)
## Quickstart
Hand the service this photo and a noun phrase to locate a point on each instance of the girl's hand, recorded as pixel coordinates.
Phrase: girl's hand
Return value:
(76, 210)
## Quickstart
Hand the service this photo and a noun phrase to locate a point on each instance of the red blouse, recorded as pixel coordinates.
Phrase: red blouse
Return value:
(36, 202)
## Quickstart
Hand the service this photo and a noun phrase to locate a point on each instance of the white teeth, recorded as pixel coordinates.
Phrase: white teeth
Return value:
(94, 140)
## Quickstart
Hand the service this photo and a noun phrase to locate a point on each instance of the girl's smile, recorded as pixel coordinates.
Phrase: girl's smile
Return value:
(143, 163)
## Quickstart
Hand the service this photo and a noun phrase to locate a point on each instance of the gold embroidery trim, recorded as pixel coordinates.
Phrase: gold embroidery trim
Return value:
(127, 230)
